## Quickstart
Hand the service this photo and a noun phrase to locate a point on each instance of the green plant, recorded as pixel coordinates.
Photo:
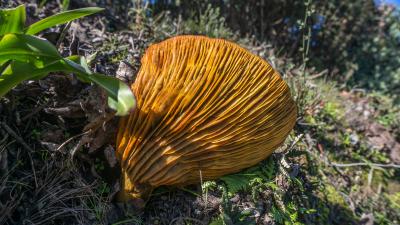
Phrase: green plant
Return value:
(103, 189)
(387, 108)
(24, 56)
(231, 214)
(209, 23)
(331, 110)
(235, 217)
(394, 200)
(379, 58)
(205, 187)
(254, 178)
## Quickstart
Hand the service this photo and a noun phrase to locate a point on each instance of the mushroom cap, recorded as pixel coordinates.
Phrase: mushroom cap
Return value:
(203, 104)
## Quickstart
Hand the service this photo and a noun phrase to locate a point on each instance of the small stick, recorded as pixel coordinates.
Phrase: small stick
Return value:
(201, 186)
(15, 135)
(62, 34)
(36, 110)
(297, 139)
(70, 139)
(390, 165)
(24, 144)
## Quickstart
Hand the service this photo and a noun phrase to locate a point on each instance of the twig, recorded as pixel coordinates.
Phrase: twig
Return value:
(4, 139)
(283, 162)
(62, 34)
(390, 165)
(322, 73)
(292, 145)
(70, 139)
(36, 110)
(24, 144)
(297, 139)
(17, 138)
(202, 191)
(84, 140)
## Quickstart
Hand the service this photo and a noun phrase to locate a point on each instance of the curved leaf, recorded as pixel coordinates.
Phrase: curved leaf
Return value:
(60, 18)
(28, 49)
(120, 96)
(17, 72)
(12, 20)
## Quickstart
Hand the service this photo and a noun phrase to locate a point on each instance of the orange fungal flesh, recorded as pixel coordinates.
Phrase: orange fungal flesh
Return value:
(204, 105)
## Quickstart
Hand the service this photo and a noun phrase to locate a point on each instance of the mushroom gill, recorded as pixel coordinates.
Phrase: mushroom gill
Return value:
(204, 105)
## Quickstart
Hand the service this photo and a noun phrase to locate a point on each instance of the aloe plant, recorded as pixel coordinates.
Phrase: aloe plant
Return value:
(24, 56)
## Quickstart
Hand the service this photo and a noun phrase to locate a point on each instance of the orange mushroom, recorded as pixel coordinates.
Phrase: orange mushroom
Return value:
(204, 105)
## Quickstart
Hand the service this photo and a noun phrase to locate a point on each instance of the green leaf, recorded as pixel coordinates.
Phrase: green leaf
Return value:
(75, 65)
(237, 182)
(248, 177)
(12, 20)
(125, 101)
(120, 96)
(65, 5)
(28, 49)
(9, 79)
(17, 72)
(60, 18)
(42, 3)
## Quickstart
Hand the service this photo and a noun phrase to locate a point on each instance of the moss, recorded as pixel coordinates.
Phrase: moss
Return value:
(333, 209)
(334, 197)
(394, 201)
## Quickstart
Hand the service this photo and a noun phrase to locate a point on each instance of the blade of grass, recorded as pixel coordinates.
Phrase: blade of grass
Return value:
(60, 18)
(16, 73)
(27, 48)
(124, 101)
(4, 66)
(65, 5)
(12, 20)
(120, 96)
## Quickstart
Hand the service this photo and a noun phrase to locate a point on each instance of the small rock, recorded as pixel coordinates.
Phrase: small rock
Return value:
(126, 71)
(97, 39)
(354, 139)
(267, 220)
(109, 153)
(367, 219)
(197, 212)
(366, 113)
(235, 199)
(50, 146)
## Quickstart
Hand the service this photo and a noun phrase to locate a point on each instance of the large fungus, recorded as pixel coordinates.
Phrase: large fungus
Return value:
(205, 107)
